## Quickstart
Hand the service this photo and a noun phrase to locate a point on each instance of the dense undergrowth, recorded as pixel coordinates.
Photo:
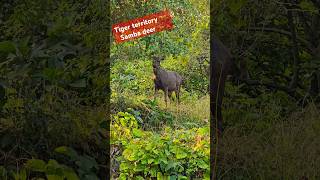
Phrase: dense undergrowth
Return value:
(269, 137)
(150, 140)
(54, 89)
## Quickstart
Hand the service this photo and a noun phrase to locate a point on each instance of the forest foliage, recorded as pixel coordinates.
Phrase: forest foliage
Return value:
(271, 106)
(54, 89)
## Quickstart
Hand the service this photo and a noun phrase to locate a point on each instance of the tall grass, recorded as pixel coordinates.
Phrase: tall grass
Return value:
(287, 148)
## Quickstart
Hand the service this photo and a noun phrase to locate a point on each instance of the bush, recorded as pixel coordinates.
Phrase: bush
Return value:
(178, 154)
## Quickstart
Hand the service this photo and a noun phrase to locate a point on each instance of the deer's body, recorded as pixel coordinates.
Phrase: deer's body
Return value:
(168, 81)
(221, 66)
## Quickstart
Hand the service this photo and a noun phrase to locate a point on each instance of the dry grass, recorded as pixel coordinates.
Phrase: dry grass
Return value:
(287, 149)
(189, 111)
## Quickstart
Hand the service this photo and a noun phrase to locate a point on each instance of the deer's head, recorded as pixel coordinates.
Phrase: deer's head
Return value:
(156, 62)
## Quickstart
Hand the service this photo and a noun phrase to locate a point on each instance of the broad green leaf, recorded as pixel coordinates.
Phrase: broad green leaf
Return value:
(137, 133)
(53, 167)
(70, 174)
(150, 161)
(181, 177)
(173, 177)
(170, 165)
(87, 163)
(181, 155)
(139, 178)
(128, 154)
(67, 151)
(124, 166)
(202, 164)
(36, 165)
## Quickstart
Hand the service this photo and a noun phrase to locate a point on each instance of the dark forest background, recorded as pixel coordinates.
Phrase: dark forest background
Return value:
(271, 113)
(54, 89)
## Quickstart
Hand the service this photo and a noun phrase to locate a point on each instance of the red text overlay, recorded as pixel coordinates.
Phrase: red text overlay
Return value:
(142, 26)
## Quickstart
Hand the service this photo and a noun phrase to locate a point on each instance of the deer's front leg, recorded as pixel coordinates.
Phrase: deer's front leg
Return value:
(155, 93)
(166, 96)
(170, 96)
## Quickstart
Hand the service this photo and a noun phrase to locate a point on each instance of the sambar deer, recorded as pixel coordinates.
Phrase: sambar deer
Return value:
(220, 67)
(168, 81)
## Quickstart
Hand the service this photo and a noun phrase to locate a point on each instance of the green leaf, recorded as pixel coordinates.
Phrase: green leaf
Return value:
(87, 163)
(67, 151)
(53, 167)
(139, 178)
(181, 155)
(150, 161)
(121, 113)
(123, 122)
(53, 164)
(124, 166)
(128, 154)
(36, 165)
(7, 47)
(170, 165)
(137, 133)
(160, 176)
(173, 177)
(180, 177)
(70, 174)
(202, 164)
(123, 176)
(164, 160)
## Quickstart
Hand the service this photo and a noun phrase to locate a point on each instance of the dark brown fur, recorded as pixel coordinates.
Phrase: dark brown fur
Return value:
(221, 64)
(168, 81)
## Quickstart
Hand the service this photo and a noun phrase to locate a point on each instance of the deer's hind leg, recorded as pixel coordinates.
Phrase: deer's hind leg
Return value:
(166, 96)
(177, 91)
(171, 95)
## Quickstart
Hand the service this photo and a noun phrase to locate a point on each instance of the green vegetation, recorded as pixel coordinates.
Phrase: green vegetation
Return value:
(272, 118)
(177, 154)
(148, 140)
(54, 89)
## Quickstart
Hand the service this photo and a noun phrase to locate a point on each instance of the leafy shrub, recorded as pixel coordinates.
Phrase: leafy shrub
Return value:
(178, 154)
(156, 116)
(53, 170)
(37, 168)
